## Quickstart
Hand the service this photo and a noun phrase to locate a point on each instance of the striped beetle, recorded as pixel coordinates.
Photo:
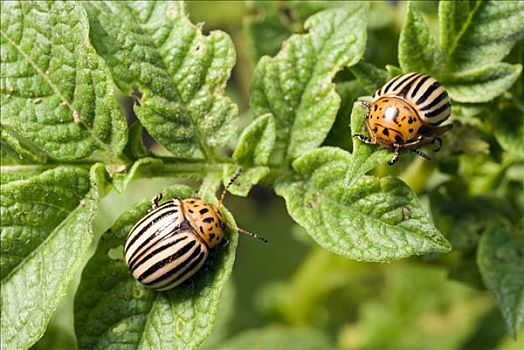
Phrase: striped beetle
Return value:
(173, 240)
(405, 114)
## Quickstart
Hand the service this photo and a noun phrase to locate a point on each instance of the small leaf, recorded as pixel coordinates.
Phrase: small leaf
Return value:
(182, 73)
(373, 220)
(56, 91)
(46, 235)
(500, 258)
(479, 33)
(483, 84)
(112, 310)
(256, 142)
(417, 49)
(253, 151)
(296, 85)
(277, 338)
(364, 157)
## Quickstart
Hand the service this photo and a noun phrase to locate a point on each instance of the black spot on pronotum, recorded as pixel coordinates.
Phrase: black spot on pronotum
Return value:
(385, 131)
(211, 235)
(201, 229)
(375, 129)
(208, 220)
(192, 201)
(410, 131)
(190, 210)
(398, 139)
(375, 108)
(203, 211)
(410, 120)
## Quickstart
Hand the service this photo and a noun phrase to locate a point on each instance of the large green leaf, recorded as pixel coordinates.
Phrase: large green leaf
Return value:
(372, 220)
(479, 32)
(46, 234)
(182, 73)
(417, 47)
(57, 93)
(112, 310)
(500, 258)
(296, 85)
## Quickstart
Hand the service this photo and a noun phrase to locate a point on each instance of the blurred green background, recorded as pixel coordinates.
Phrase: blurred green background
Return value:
(409, 304)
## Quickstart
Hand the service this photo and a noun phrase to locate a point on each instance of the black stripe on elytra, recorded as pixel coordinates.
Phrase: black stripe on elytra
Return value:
(388, 85)
(427, 93)
(436, 101)
(135, 262)
(190, 268)
(158, 237)
(166, 261)
(148, 226)
(419, 85)
(437, 111)
(407, 81)
(183, 266)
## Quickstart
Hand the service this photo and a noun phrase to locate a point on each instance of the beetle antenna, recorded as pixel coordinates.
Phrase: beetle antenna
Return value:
(252, 234)
(230, 182)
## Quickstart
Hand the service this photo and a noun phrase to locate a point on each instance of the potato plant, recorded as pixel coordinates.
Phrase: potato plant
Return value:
(105, 104)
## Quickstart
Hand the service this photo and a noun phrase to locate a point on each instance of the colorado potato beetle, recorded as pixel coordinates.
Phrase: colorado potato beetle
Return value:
(405, 114)
(173, 240)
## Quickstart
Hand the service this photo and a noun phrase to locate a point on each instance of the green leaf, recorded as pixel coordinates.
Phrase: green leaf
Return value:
(17, 151)
(364, 157)
(278, 338)
(372, 220)
(46, 234)
(135, 147)
(296, 85)
(181, 73)
(112, 310)
(483, 84)
(265, 29)
(500, 258)
(508, 125)
(474, 37)
(479, 33)
(148, 167)
(253, 151)
(417, 49)
(370, 77)
(56, 91)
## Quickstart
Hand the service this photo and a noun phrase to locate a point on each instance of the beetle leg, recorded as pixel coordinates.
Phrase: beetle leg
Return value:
(395, 157)
(364, 139)
(421, 153)
(155, 201)
(416, 142)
